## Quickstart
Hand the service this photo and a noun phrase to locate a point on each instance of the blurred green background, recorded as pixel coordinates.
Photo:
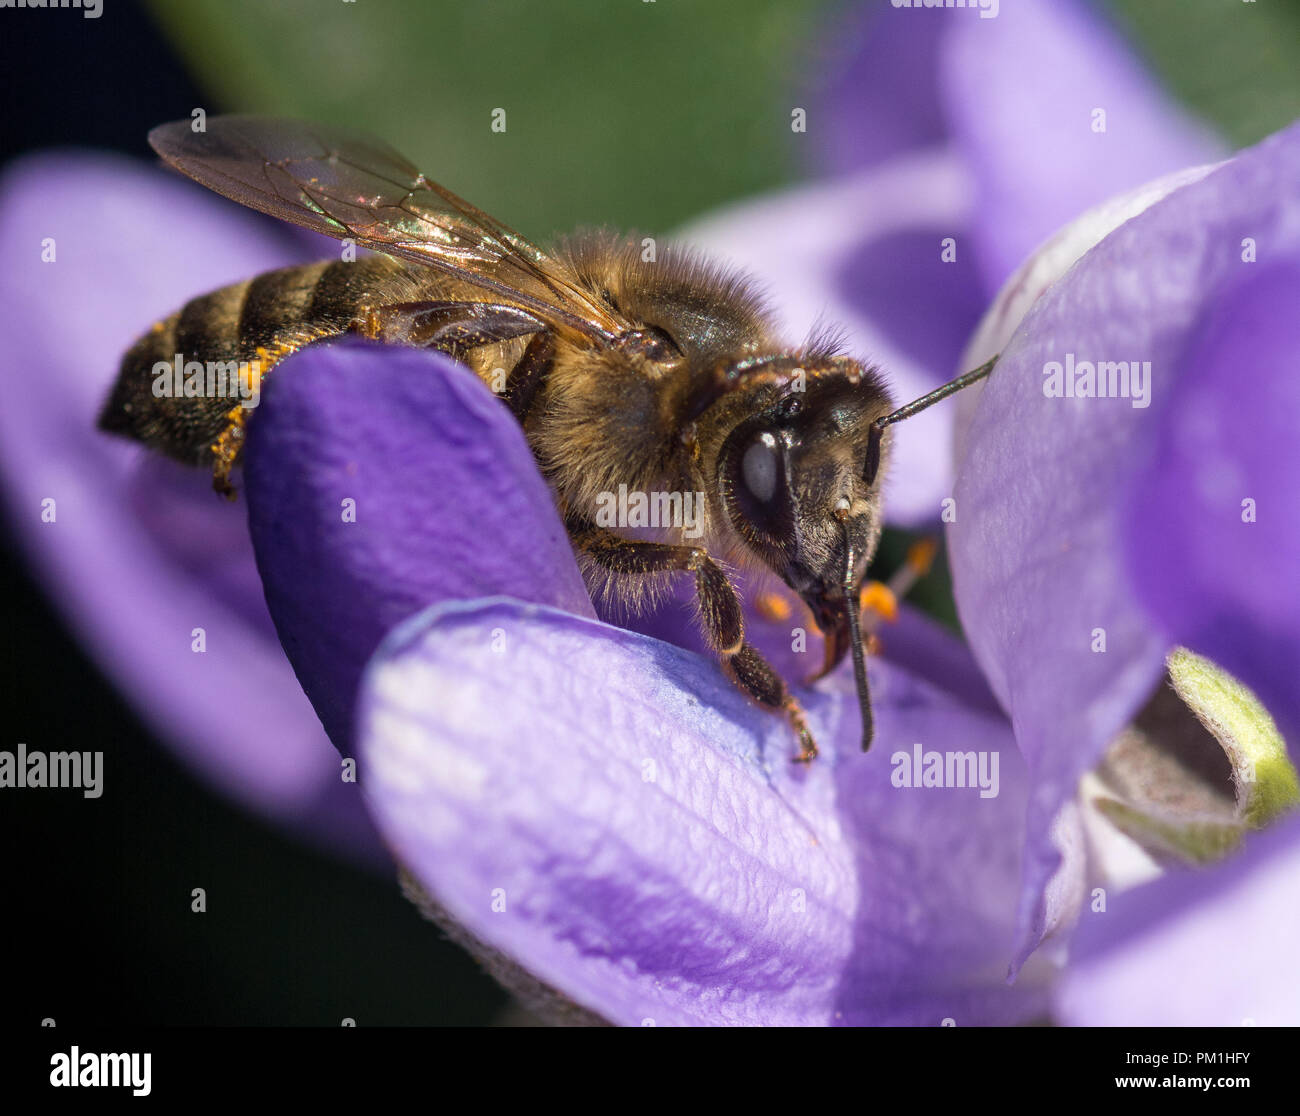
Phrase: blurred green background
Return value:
(632, 113)
(621, 112)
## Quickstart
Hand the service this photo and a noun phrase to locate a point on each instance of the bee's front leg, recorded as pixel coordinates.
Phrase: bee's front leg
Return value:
(721, 616)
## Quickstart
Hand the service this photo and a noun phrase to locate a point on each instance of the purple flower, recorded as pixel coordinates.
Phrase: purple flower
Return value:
(1213, 948)
(914, 180)
(1095, 534)
(601, 806)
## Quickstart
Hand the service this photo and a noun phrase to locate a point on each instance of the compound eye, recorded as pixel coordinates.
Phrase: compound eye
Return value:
(760, 499)
(761, 466)
(762, 488)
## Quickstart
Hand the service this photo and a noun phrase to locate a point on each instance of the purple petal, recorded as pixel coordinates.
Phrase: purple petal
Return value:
(447, 500)
(1212, 948)
(1036, 159)
(923, 305)
(857, 118)
(142, 552)
(1220, 575)
(1036, 561)
(927, 649)
(610, 812)
(1020, 92)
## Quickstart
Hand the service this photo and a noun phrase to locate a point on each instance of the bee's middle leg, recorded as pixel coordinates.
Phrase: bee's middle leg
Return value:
(449, 326)
(454, 327)
(722, 618)
(529, 374)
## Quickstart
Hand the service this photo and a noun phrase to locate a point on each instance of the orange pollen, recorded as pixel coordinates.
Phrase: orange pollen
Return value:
(772, 606)
(880, 599)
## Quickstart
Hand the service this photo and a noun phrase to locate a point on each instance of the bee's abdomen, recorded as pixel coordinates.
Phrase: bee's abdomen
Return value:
(255, 323)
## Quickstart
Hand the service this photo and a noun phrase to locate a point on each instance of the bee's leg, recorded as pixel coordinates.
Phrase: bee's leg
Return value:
(528, 374)
(225, 451)
(453, 327)
(721, 616)
(754, 674)
(449, 326)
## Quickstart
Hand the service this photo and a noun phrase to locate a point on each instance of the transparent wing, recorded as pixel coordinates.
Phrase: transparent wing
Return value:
(353, 186)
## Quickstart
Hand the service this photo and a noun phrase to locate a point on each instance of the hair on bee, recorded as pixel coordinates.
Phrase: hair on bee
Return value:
(825, 340)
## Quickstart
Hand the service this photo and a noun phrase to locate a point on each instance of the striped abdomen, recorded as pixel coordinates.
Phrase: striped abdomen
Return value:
(252, 324)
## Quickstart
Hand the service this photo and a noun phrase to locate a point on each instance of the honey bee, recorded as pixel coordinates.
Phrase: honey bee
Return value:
(660, 376)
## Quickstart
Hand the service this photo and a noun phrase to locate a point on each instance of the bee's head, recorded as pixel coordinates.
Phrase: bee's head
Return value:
(800, 481)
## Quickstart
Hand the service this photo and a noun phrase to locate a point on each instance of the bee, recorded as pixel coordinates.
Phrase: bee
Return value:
(663, 376)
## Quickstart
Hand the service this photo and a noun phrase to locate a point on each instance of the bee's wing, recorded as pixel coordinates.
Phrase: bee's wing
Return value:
(346, 185)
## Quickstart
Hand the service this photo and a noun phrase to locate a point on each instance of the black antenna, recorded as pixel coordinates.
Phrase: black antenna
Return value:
(915, 407)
